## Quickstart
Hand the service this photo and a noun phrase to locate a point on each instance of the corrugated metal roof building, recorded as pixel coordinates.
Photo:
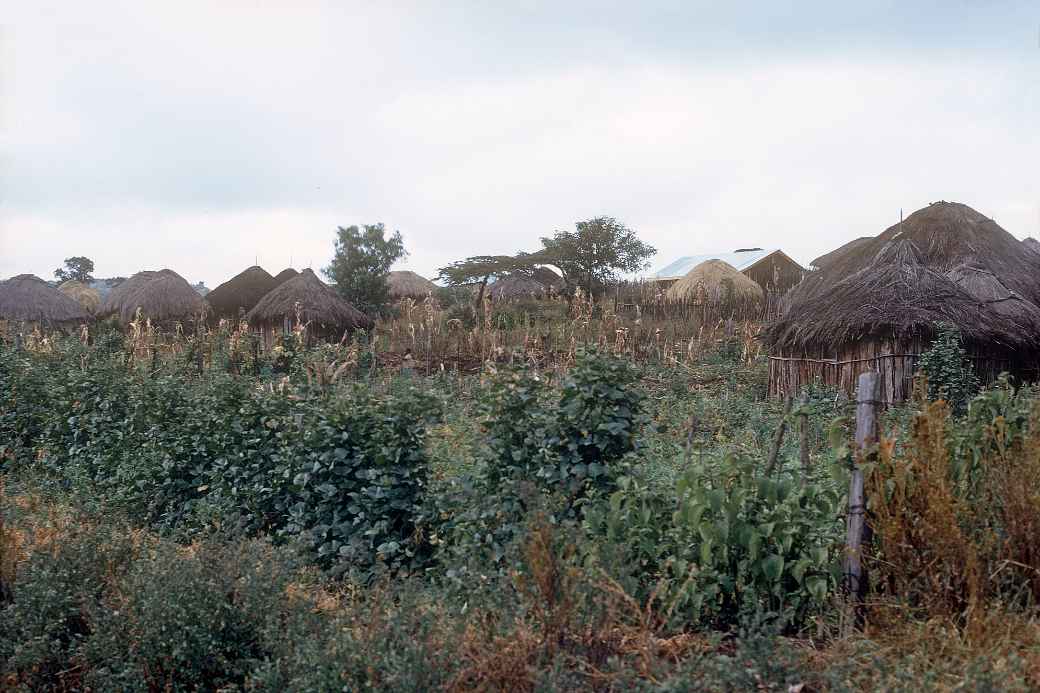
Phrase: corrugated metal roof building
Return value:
(771, 267)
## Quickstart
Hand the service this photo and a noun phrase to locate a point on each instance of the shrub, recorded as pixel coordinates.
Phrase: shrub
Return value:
(949, 373)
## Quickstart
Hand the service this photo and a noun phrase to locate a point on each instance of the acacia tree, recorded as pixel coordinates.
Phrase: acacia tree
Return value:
(362, 262)
(596, 253)
(77, 268)
(479, 269)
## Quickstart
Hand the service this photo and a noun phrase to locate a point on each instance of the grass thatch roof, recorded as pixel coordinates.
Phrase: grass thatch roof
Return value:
(715, 282)
(1032, 244)
(241, 292)
(829, 258)
(29, 298)
(285, 275)
(114, 300)
(88, 297)
(516, 286)
(945, 262)
(318, 304)
(403, 283)
(162, 296)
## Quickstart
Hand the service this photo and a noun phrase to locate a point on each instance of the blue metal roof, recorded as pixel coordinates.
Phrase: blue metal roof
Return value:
(740, 260)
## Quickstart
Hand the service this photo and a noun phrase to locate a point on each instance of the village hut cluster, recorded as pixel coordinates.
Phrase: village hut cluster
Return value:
(873, 304)
(268, 304)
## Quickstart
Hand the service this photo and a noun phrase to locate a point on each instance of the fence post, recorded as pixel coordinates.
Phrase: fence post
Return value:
(868, 392)
(803, 438)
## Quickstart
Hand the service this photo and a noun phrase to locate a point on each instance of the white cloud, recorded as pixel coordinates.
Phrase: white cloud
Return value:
(200, 139)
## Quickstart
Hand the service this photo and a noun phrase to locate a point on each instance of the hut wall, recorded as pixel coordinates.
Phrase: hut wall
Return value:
(895, 360)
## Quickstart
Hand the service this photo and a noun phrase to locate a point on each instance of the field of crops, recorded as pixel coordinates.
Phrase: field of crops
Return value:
(542, 513)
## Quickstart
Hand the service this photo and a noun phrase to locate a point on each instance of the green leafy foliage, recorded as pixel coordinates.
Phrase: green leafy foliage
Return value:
(948, 370)
(77, 268)
(363, 258)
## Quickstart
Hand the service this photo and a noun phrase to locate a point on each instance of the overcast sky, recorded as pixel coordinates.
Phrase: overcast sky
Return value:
(203, 136)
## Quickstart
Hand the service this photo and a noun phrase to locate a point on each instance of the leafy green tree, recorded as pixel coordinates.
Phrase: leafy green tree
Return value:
(76, 268)
(949, 372)
(362, 262)
(596, 253)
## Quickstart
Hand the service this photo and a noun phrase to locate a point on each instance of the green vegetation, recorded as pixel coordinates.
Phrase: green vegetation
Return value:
(317, 519)
(361, 262)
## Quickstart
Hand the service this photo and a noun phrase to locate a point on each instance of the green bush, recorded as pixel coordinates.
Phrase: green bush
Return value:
(949, 372)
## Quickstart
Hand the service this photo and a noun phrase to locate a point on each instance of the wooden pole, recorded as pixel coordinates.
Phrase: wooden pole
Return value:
(778, 438)
(803, 438)
(868, 392)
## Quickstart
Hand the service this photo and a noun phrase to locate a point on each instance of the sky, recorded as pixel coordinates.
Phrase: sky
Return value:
(209, 136)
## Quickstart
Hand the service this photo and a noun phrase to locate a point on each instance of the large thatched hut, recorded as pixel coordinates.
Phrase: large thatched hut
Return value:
(406, 284)
(163, 297)
(718, 286)
(875, 307)
(237, 296)
(86, 296)
(111, 303)
(27, 299)
(306, 299)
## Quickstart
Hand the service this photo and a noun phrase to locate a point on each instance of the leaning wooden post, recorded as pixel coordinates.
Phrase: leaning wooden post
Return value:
(803, 438)
(868, 393)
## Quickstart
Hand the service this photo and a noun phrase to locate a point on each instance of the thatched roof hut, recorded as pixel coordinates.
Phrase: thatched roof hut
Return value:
(285, 275)
(828, 258)
(86, 296)
(517, 287)
(238, 295)
(547, 278)
(27, 298)
(406, 284)
(162, 297)
(875, 307)
(305, 297)
(111, 304)
(716, 283)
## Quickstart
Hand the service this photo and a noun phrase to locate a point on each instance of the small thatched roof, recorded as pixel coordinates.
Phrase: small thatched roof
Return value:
(404, 283)
(285, 275)
(88, 297)
(162, 297)
(516, 286)
(318, 304)
(241, 292)
(715, 282)
(828, 258)
(943, 263)
(29, 298)
(114, 300)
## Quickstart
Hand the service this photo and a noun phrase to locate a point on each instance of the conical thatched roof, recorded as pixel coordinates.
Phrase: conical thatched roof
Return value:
(516, 286)
(318, 304)
(715, 282)
(241, 292)
(162, 297)
(828, 258)
(404, 283)
(82, 294)
(945, 262)
(114, 300)
(285, 275)
(29, 298)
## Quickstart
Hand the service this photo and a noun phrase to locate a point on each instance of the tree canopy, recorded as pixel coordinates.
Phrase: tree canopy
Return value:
(361, 263)
(76, 268)
(596, 253)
